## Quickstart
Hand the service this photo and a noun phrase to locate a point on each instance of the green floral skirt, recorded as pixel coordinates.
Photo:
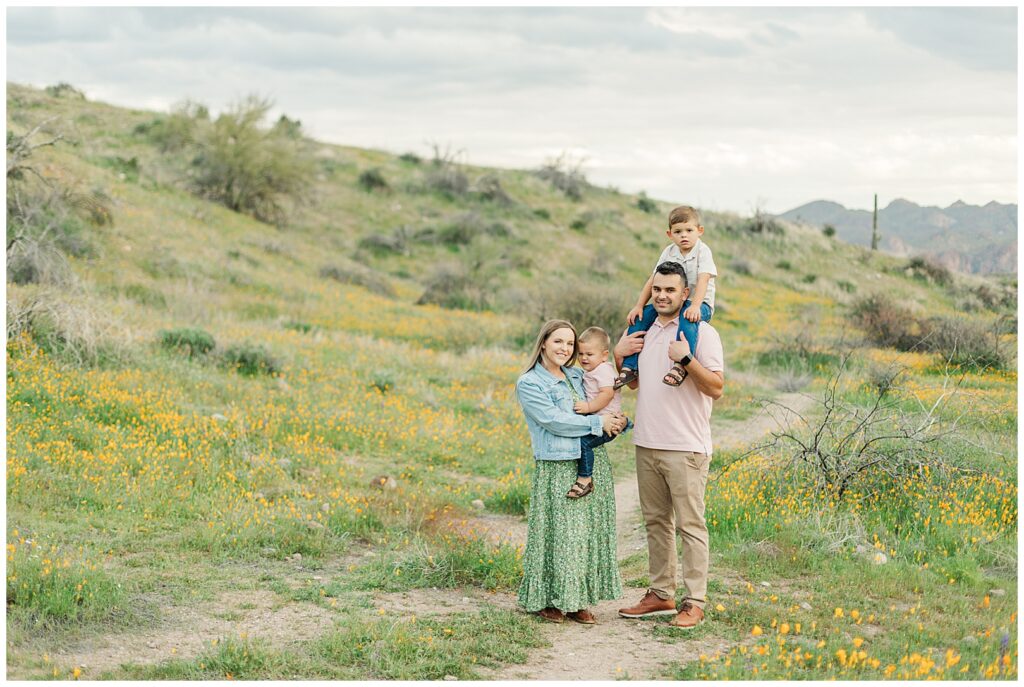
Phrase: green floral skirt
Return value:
(570, 559)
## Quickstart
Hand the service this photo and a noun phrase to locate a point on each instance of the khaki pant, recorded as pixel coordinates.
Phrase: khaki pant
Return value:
(671, 485)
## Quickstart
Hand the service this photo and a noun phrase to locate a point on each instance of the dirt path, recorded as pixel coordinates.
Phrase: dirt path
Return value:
(614, 648)
(618, 647)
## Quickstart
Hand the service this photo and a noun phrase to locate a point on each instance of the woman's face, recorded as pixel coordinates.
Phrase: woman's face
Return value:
(558, 347)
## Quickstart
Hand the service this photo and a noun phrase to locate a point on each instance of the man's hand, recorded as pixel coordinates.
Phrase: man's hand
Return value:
(692, 313)
(581, 407)
(677, 349)
(630, 344)
(634, 315)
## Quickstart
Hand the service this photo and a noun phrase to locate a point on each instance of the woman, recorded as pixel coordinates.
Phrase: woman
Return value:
(570, 560)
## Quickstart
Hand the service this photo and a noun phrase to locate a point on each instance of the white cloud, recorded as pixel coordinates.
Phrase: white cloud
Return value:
(730, 105)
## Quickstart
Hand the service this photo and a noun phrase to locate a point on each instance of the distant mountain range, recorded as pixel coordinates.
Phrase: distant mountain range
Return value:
(968, 238)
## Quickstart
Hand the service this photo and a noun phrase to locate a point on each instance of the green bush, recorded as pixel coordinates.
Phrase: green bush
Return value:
(566, 175)
(372, 180)
(458, 287)
(251, 359)
(411, 158)
(966, 343)
(886, 323)
(396, 242)
(584, 305)
(488, 187)
(249, 169)
(357, 275)
(828, 230)
(193, 342)
(784, 265)
(542, 213)
(926, 269)
(645, 204)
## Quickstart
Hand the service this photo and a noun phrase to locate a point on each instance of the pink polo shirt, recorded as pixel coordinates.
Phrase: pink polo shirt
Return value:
(674, 418)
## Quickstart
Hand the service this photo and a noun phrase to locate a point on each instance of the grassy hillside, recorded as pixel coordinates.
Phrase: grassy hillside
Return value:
(146, 478)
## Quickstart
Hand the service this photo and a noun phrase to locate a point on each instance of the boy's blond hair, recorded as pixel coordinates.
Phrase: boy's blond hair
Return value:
(683, 213)
(598, 336)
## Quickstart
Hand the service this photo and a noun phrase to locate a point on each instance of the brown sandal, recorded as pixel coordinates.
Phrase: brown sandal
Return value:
(552, 615)
(675, 376)
(626, 376)
(578, 490)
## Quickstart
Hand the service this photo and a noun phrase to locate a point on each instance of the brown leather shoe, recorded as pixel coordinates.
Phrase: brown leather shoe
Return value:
(552, 615)
(689, 617)
(582, 616)
(650, 605)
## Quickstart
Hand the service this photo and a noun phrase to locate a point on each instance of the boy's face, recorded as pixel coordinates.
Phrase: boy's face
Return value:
(685, 234)
(591, 355)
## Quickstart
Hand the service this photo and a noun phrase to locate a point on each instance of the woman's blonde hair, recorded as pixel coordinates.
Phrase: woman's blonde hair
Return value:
(547, 330)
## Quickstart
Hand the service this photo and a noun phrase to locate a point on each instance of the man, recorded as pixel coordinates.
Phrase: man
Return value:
(673, 448)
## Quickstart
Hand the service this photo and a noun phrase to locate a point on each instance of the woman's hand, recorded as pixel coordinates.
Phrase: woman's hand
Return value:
(613, 424)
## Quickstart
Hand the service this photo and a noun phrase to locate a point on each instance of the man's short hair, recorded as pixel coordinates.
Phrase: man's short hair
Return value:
(598, 336)
(683, 213)
(670, 267)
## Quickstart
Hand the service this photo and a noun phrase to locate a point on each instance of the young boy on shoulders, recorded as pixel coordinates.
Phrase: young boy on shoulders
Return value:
(687, 249)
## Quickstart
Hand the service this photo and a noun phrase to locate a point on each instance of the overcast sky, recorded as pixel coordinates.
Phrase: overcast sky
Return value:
(725, 108)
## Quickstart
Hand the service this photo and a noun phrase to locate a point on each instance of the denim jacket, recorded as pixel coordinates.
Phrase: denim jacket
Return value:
(547, 403)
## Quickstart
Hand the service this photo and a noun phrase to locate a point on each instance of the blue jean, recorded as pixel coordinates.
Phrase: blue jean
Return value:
(687, 329)
(585, 465)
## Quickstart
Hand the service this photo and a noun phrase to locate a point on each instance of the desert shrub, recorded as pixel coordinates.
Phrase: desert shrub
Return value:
(145, 295)
(411, 158)
(192, 342)
(127, 169)
(462, 229)
(847, 286)
(966, 343)
(784, 265)
(372, 180)
(994, 297)
(789, 380)
(828, 230)
(358, 275)
(46, 220)
(809, 278)
(886, 323)
(249, 169)
(565, 174)
(741, 266)
(395, 242)
(69, 325)
(444, 175)
(645, 204)
(925, 269)
(585, 304)
(65, 90)
(169, 133)
(542, 213)
(292, 128)
(457, 286)
(250, 359)
(488, 187)
(579, 223)
(762, 223)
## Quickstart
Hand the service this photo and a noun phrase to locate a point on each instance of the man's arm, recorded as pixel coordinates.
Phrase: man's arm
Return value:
(708, 383)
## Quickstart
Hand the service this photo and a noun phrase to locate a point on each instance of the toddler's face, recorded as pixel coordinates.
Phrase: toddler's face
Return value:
(685, 234)
(591, 355)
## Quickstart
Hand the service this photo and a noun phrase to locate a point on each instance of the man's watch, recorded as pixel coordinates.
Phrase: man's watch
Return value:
(685, 360)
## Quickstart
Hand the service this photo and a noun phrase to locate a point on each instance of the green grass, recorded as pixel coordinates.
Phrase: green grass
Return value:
(364, 647)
